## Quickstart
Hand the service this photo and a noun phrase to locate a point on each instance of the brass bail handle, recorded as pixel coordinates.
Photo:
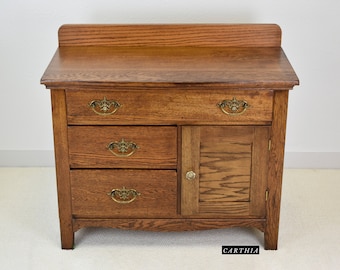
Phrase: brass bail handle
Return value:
(104, 107)
(233, 106)
(122, 148)
(124, 195)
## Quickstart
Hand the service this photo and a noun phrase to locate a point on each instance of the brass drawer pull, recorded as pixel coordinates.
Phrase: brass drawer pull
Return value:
(233, 106)
(122, 148)
(123, 195)
(104, 106)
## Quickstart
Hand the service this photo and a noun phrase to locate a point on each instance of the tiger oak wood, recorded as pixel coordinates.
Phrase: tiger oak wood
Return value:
(204, 35)
(227, 183)
(195, 167)
(159, 66)
(62, 166)
(171, 106)
(171, 224)
(158, 190)
(88, 146)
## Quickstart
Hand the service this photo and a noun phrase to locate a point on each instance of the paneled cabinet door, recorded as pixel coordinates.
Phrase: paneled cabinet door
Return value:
(224, 170)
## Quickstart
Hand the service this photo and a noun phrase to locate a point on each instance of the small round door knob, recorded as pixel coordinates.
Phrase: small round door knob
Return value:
(190, 175)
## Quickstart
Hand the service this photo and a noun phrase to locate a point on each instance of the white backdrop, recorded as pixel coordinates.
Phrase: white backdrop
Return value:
(311, 40)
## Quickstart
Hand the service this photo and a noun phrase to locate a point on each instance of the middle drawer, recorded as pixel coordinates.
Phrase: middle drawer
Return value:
(123, 147)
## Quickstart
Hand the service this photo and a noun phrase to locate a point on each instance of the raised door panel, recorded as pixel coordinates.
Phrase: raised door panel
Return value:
(230, 170)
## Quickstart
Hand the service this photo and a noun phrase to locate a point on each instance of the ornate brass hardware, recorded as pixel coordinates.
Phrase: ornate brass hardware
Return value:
(104, 106)
(124, 195)
(233, 106)
(190, 175)
(122, 148)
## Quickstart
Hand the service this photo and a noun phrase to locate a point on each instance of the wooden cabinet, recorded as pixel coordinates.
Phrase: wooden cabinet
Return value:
(169, 127)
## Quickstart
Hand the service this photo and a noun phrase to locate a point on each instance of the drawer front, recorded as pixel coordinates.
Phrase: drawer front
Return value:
(123, 147)
(123, 193)
(169, 107)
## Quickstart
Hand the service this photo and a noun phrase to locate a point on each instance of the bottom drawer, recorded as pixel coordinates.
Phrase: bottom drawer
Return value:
(124, 193)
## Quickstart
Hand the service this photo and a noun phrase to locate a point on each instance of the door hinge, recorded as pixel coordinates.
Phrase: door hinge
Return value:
(269, 145)
(267, 194)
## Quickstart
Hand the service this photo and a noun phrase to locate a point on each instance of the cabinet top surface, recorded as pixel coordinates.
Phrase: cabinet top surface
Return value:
(227, 65)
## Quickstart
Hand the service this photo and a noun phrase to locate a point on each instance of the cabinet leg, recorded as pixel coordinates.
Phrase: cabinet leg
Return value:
(271, 239)
(275, 169)
(66, 234)
(67, 239)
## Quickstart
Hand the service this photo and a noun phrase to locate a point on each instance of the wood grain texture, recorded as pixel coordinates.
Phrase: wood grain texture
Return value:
(231, 167)
(62, 167)
(275, 169)
(157, 188)
(157, 147)
(169, 225)
(169, 80)
(225, 165)
(190, 162)
(232, 35)
(260, 67)
(260, 159)
(169, 106)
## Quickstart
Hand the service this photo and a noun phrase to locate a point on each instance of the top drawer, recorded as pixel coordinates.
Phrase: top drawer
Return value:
(169, 107)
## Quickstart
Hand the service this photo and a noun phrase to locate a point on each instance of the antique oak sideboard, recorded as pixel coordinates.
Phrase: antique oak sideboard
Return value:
(169, 127)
